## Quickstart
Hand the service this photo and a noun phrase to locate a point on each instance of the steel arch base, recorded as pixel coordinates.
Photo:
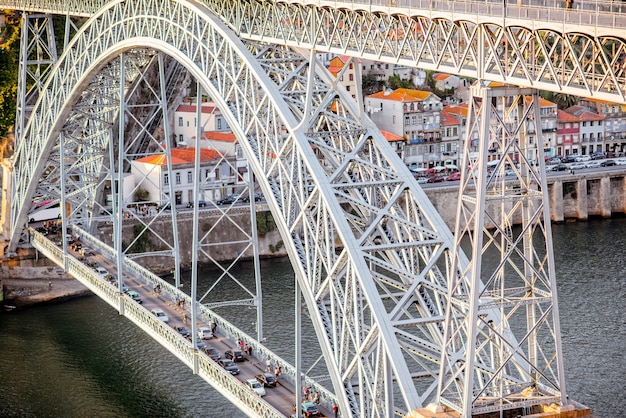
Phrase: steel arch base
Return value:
(371, 254)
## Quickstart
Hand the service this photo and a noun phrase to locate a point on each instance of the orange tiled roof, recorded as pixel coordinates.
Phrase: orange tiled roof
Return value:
(403, 95)
(181, 156)
(219, 136)
(447, 118)
(441, 76)
(563, 116)
(191, 108)
(391, 137)
(459, 110)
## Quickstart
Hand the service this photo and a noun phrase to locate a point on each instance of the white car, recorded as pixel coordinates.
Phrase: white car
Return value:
(256, 386)
(578, 166)
(593, 164)
(620, 161)
(205, 333)
(422, 180)
(583, 158)
(161, 316)
(102, 272)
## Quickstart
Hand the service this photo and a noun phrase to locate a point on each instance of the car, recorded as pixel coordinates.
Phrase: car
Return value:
(598, 156)
(435, 179)
(201, 204)
(212, 353)
(608, 163)
(161, 316)
(235, 355)
(205, 333)
(620, 161)
(102, 272)
(182, 331)
(309, 409)
(569, 158)
(229, 366)
(583, 158)
(560, 167)
(229, 200)
(578, 166)
(422, 180)
(134, 296)
(554, 160)
(593, 164)
(257, 197)
(266, 379)
(256, 386)
(165, 206)
(200, 345)
(85, 251)
(454, 177)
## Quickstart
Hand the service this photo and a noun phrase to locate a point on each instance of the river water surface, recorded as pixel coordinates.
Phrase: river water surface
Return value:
(81, 359)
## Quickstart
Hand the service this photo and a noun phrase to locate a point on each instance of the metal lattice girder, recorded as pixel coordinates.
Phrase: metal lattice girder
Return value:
(511, 269)
(370, 252)
(550, 48)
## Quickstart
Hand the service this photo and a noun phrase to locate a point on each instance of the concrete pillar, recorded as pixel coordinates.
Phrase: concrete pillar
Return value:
(604, 198)
(555, 192)
(582, 212)
(5, 203)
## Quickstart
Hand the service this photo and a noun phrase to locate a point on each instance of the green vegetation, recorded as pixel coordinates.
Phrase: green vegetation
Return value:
(141, 195)
(142, 242)
(264, 223)
(9, 62)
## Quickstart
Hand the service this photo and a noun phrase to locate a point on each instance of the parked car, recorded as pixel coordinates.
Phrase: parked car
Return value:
(182, 331)
(266, 379)
(229, 366)
(597, 156)
(454, 176)
(165, 206)
(620, 161)
(257, 197)
(422, 180)
(608, 163)
(583, 158)
(569, 158)
(560, 167)
(212, 353)
(256, 386)
(554, 160)
(160, 315)
(235, 355)
(436, 179)
(205, 333)
(134, 296)
(578, 166)
(593, 164)
(229, 200)
(201, 204)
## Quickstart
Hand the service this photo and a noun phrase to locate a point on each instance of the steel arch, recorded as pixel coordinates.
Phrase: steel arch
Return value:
(369, 250)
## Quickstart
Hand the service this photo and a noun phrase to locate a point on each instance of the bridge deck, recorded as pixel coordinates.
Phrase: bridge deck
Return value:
(282, 397)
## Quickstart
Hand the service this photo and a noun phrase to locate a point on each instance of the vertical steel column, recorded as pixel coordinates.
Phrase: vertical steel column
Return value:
(166, 134)
(117, 201)
(196, 208)
(255, 254)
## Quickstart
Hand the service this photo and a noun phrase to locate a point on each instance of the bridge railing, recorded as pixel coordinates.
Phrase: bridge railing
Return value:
(228, 330)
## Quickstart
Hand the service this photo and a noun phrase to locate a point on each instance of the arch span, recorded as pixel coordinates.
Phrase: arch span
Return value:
(370, 253)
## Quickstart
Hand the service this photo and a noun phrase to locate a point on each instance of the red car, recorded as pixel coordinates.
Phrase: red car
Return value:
(436, 179)
(454, 177)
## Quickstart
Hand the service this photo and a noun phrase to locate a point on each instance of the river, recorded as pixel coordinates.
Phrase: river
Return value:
(81, 359)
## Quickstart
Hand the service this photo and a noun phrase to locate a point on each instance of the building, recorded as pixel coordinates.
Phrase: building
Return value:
(349, 78)
(614, 124)
(591, 129)
(218, 174)
(414, 115)
(567, 133)
(185, 126)
(445, 82)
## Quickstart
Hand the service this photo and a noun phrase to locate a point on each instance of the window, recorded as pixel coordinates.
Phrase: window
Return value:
(347, 88)
(351, 76)
(180, 121)
(195, 122)
(393, 120)
(166, 179)
(189, 177)
(180, 138)
(219, 123)
(177, 178)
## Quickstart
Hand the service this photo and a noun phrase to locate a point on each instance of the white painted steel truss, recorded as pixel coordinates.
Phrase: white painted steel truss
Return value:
(372, 256)
(503, 215)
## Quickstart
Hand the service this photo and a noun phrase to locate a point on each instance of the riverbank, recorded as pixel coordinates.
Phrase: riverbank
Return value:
(24, 287)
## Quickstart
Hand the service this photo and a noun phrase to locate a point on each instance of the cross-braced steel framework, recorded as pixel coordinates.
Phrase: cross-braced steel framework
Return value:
(506, 222)
(373, 258)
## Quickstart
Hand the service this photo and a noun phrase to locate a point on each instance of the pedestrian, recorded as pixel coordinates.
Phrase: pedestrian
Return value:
(306, 392)
(213, 327)
(250, 351)
(241, 344)
(50, 284)
(316, 398)
(277, 372)
(268, 365)
(185, 318)
(335, 409)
